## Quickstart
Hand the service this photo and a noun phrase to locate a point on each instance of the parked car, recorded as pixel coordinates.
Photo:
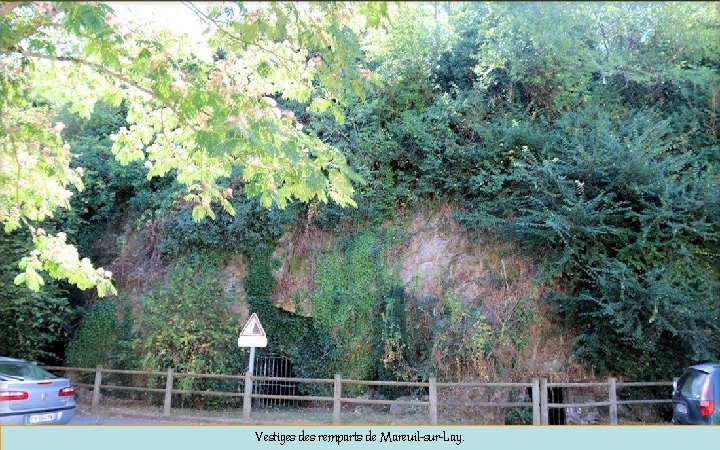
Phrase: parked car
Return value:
(32, 395)
(696, 395)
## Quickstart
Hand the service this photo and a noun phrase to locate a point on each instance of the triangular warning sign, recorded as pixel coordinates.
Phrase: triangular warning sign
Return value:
(253, 327)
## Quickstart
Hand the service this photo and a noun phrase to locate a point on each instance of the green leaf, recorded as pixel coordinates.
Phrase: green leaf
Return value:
(20, 278)
(198, 213)
(319, 105)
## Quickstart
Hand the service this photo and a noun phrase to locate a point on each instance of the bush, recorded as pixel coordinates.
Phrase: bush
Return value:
(188, 325)
(623, 220)
(103, 338)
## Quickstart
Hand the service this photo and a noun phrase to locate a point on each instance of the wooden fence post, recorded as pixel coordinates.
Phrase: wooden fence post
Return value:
(544, 408)
(247, 395)
(432, 397)
(168, 392)
(337, 393)
(96, 387)
(536, 401)
(613, 401)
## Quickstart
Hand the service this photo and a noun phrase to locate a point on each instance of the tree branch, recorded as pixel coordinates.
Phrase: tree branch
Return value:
(84, 62)
(210, 21)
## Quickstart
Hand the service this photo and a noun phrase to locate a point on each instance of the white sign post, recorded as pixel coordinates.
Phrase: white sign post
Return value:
(252, 335)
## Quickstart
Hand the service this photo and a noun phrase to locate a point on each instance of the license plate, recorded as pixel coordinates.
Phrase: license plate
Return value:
(40, 418)
(682, 409)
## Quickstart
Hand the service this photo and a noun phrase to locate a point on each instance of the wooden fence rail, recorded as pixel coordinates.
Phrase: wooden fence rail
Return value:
(538, 390)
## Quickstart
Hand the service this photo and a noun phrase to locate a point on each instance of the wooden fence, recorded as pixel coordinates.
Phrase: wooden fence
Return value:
(538, 390)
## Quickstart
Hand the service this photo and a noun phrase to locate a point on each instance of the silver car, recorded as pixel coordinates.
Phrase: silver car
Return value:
(31, 395)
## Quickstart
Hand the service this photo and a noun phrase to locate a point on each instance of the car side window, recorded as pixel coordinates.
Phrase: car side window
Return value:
(691, 384)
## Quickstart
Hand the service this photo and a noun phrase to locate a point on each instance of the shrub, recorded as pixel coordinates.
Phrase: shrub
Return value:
(187, 325)
(622, 215)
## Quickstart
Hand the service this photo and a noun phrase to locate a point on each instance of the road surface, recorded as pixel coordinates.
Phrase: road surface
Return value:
(99, 419)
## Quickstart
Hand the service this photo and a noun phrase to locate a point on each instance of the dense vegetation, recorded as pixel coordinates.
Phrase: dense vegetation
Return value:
(587, 133)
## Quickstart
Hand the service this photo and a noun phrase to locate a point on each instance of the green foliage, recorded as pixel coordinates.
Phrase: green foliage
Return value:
(519, 416)
(194, 118)
(103, 338)
(259, 282)
(401, 141)
(393, 349)
(187, 324)
(349, 283)
(250, 226)
(623, 214)
(109, 187)
(33, 325)
(358, 309)
(457, 340)
(545, 53)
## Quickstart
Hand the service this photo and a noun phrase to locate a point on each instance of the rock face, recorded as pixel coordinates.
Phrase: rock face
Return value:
(435, 260)
(439, 258)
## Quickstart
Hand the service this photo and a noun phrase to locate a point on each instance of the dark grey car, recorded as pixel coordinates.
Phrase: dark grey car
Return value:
(696, 395)
(31, 395)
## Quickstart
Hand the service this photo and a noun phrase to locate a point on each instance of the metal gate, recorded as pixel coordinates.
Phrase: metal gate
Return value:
(556, 416)
(276, 366)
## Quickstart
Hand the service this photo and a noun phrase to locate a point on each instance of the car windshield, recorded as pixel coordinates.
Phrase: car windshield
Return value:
(23, 370)
(692, 382)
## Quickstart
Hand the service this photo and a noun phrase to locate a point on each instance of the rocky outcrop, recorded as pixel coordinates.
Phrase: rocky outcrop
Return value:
(434, 260)
(439, 258)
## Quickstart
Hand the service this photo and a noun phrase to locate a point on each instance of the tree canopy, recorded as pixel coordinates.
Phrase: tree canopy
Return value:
(194, 117)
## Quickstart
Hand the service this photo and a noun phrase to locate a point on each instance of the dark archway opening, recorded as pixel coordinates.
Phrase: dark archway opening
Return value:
(556, 416)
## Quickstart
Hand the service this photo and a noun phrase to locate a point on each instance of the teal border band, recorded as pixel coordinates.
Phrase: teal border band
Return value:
(151, 437)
